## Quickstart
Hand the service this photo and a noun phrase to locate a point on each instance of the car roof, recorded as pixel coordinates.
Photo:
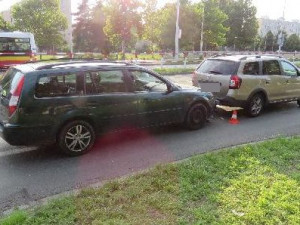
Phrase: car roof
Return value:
(96, 64)
(238, 58)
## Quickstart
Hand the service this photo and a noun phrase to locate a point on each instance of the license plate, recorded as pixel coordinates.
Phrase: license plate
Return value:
(210, 87)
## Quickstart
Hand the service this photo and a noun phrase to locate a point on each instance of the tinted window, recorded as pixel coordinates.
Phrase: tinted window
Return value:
(288, 69)
(271, 68)
(251, 68)
(218, 67)
(143, 81)
(105, 82)
(60, 85)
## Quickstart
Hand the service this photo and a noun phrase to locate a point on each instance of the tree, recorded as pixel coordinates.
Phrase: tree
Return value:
(123, 22)
(242, 23)
(99, 39)
(5, 26)
(269, 41)
(292, 43)
(152, 24)
(214, 28)
(44, 19)
(82, 34)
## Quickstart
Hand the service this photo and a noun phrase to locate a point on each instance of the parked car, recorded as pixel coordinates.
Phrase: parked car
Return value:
(71, 102)
(250, 82)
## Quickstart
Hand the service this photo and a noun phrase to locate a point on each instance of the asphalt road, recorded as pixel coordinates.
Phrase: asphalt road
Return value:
(28, 174)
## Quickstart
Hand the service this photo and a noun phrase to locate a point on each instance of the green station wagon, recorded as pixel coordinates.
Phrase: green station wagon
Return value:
(70, 103)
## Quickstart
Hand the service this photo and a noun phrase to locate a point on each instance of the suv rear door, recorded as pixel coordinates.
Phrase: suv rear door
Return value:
(276, 83)
(217, 71)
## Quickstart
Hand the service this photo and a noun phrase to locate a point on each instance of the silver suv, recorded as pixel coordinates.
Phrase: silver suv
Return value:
(250, 82)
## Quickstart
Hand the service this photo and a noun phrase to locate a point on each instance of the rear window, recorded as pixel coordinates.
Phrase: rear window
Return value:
(9, 82)
(221, 67)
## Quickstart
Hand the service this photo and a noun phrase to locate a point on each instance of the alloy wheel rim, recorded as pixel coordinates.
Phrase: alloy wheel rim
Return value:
(78, 138)
(256, 106)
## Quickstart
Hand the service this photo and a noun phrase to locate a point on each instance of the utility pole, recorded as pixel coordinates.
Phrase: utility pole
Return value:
(280, 36)
(202, 30)
(177, 34)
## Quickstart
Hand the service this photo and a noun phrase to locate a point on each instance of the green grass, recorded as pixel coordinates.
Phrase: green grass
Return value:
(252, 184)
(174, 71)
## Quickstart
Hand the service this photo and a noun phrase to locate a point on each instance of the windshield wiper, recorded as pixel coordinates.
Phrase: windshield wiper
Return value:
(214, 72)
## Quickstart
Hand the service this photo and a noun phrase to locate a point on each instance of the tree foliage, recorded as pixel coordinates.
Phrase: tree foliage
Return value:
(44, 19)
(123, 22)
(269, 42)
(292, 43)
(242, 23)
(5, 26)
(214, 28)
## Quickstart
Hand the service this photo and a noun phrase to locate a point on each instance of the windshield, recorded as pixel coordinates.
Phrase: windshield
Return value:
(14, 44)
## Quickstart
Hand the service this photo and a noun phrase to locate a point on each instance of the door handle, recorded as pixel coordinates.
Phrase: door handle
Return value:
(268, 81)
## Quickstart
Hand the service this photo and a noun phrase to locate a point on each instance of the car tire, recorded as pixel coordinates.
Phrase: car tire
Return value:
(255, 105)
(298, 102)
(76, 138)
(196, 116)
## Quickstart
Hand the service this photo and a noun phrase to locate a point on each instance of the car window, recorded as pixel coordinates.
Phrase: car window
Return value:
(57, 85)
(143, 81)
(271, 67)
(251, 68)
(288, 69)
(98, 82)
(222, 67)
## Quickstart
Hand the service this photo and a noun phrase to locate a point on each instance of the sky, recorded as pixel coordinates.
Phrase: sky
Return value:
(265, 8)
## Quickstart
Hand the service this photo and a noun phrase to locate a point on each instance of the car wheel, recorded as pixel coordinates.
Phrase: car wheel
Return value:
(255, 105)
(298, 102)
(196, 117)
(76, 138)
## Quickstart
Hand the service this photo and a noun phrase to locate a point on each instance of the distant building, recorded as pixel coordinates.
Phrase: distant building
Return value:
(65, 6)
(266, 25)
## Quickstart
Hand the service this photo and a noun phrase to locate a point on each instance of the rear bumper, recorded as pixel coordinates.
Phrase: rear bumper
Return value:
(28, 136)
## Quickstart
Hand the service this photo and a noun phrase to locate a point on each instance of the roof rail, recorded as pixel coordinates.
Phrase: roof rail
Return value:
(222, 54)
(76, 61)
(260, 56)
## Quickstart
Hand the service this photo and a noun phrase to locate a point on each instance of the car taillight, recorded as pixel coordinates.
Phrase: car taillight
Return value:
(15, 96)
(235, 82)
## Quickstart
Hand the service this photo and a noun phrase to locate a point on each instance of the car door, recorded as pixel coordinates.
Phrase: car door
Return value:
(276, 83)
(157, 105)
(292, 76)
(109, 100)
